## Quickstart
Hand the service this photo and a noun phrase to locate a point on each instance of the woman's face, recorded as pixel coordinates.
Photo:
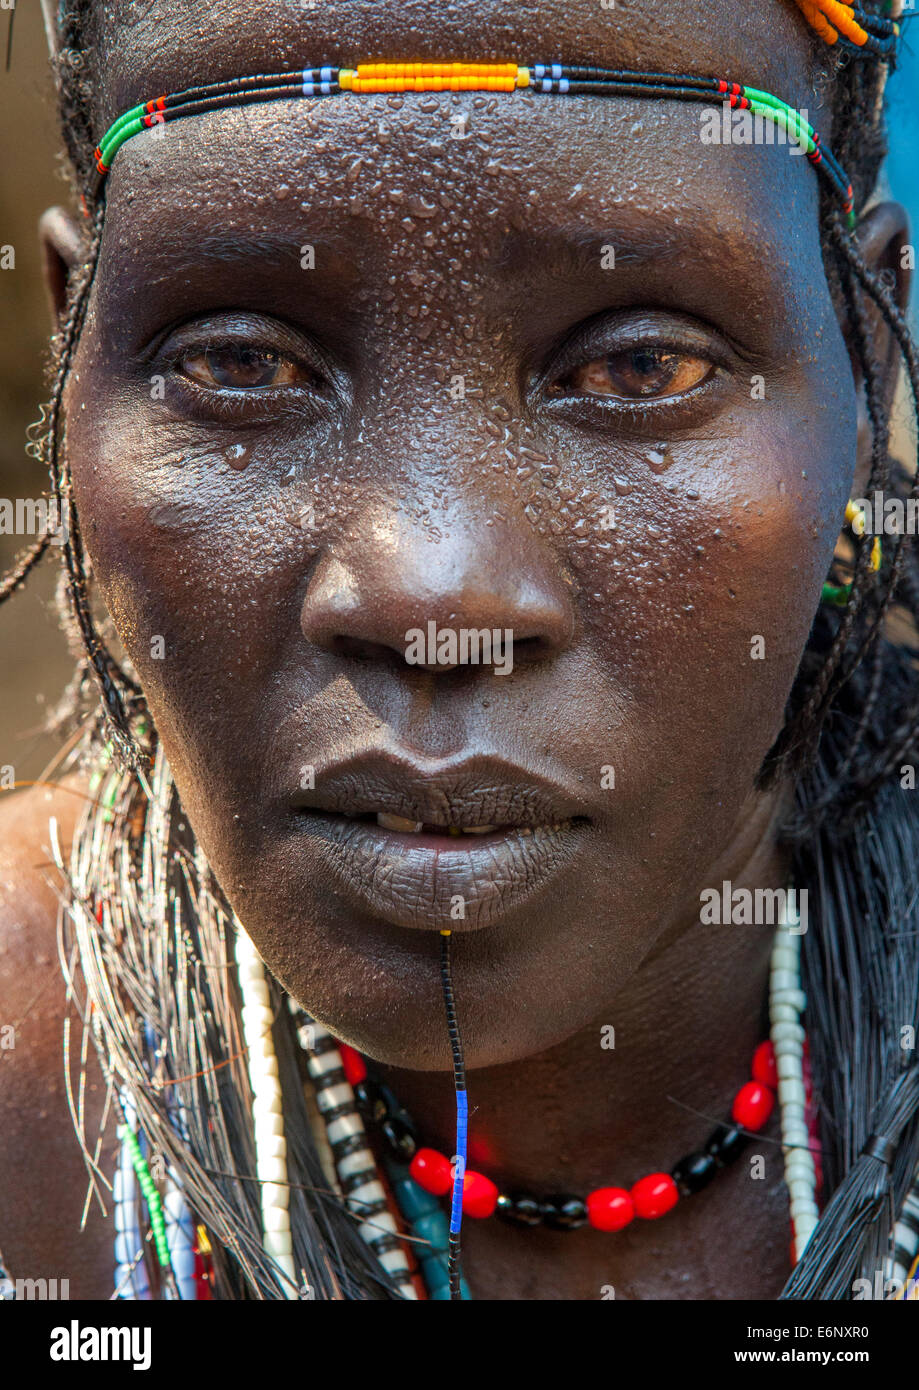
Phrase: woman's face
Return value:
(540, 364)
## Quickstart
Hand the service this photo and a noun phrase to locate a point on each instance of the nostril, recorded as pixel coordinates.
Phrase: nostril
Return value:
(531, 649)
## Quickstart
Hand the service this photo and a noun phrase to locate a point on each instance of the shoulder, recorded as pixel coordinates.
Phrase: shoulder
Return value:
(44, 1179)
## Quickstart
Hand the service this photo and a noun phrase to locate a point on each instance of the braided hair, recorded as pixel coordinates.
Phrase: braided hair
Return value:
(852, 718)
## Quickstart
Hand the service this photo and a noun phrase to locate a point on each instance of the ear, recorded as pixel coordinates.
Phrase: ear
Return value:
(62, 251)
(884, 241)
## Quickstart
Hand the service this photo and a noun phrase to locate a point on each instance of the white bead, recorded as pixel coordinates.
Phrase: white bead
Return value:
(788, 1066)
(326, 1061)
(801, 1187)
(784, 958)
(784, 1033)
(335, 1096)
(794, 997)
(278, 1244)
(271, 1169)
(257, 990)
(782, 1013)
(394, 1261)
(792, 1092)
(275, 1219)
(378, 1225)
(356, 1162)
(344, 1128)
(368, 1192)
(268, 1126)
(267, 1102)
(783, 979)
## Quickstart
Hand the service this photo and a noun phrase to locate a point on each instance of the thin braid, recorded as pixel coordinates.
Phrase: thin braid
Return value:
(17, 576)
(100, 660)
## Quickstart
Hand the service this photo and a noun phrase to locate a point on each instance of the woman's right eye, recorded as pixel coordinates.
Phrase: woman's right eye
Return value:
(241, 367)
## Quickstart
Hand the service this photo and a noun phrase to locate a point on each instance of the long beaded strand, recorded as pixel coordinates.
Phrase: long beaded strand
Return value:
(354, 1162)
(786, 1005)
(267, 1111)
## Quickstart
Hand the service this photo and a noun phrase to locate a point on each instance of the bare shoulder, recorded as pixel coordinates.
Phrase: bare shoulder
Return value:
(43, 1183)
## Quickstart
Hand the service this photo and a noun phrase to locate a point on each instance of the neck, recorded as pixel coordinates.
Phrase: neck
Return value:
(588, 1114)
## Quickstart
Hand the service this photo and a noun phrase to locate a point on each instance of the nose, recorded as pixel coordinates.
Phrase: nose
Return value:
(392, 587)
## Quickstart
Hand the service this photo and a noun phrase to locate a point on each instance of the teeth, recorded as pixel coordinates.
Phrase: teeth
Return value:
(408, 827)
(479, 829)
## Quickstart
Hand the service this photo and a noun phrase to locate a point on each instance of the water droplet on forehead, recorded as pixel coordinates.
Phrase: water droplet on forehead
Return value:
(237, 456)
(623, 486)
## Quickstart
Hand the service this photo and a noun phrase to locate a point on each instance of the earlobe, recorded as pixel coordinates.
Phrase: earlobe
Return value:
(62, 250)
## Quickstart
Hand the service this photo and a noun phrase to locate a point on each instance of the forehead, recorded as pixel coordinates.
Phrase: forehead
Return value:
(146, 49)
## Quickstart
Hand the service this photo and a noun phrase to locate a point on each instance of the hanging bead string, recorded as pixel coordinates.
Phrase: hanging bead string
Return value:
(786, 1005)
(267, 1111)
(131, 1146)
(462, 1116)
(354, 1162)
(543, 78)
(131, 1279)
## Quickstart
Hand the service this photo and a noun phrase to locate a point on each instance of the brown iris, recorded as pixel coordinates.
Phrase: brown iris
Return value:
(238, 367)
(638, 374)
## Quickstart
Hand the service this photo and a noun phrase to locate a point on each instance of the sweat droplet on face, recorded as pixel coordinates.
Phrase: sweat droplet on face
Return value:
(660, 458)
(237, 456)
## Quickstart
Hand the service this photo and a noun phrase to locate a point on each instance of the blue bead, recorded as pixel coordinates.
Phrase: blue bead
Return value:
(434, 1228)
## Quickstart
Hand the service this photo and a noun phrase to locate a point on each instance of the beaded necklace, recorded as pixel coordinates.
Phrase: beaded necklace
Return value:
(422, 1175)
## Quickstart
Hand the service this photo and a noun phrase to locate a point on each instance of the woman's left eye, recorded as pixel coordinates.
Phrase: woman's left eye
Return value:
(239, 367)
(636, 374)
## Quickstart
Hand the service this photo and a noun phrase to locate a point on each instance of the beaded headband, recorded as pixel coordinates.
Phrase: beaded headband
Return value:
(549, 78)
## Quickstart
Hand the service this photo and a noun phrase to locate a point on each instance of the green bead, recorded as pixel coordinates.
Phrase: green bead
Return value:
(434, 1228)
(413, 1201)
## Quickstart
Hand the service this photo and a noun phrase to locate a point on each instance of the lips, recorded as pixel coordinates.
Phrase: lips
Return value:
(430, 844)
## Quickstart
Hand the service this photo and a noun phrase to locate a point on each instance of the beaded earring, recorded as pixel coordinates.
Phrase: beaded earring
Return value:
(838, 594)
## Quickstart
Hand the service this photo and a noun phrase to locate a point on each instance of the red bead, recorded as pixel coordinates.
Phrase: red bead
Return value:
(764, 1069)
(654, 1195)
(753, 1105)
(479, 1195)
(355, 1068)
(609, 1208)
(432, 1171)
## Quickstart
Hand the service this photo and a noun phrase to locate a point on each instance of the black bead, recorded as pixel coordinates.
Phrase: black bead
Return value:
(726, 1143)
(693, 1173)
(564, 1213)
(400, 1137)
(520, 1208)
(371, 1101)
